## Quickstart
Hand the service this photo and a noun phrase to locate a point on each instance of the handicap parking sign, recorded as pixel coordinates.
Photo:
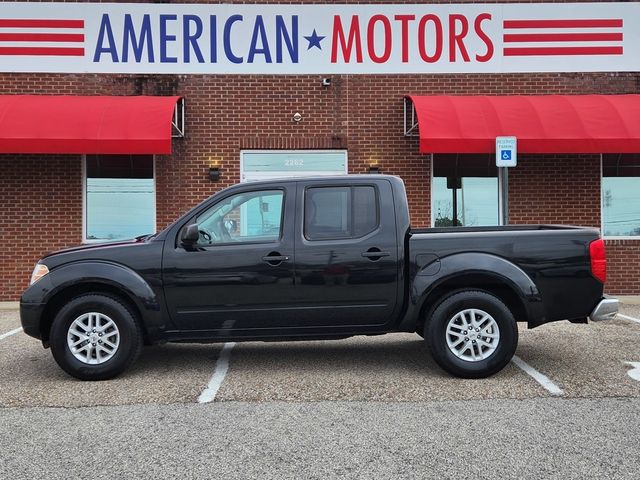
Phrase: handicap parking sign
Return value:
(506, 148)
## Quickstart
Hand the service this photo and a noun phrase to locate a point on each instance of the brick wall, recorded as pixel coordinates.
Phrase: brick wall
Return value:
(40, 211)
(623, 260)
(224, 114)
(559, 189)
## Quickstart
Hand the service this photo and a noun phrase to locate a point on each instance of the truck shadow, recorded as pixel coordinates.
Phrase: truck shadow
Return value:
(367, 353)
(388, 353)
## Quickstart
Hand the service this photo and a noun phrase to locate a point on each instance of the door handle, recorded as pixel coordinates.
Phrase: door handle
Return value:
(275, 259)
(374, 254)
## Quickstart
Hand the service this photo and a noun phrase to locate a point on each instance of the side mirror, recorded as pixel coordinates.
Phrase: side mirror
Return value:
(190, 235)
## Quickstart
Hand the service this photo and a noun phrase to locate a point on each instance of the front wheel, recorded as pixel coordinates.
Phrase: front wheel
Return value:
(472, 334)
(95, 337)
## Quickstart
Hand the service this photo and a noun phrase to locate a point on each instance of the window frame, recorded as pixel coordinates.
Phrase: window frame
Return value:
(351, 193)
(86, 240)
(609, 237)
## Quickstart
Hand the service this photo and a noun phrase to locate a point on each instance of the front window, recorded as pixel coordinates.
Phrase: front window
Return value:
(465, 190)
(119, 197)
(248, 217)
(621, 195)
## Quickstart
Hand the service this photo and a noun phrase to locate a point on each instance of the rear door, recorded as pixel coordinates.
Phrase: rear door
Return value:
(347, 268)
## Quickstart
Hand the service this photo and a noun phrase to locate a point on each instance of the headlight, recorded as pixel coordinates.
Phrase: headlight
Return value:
(39, 271)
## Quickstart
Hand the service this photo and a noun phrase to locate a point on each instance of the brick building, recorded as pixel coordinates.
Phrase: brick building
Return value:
(285, 120)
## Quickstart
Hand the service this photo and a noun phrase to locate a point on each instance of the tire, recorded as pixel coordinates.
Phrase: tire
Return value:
(466, 352)
(108, 337)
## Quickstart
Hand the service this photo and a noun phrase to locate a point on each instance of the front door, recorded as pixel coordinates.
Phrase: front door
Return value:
(240, 273)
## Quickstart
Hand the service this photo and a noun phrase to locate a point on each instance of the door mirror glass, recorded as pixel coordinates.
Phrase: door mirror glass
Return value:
(190, 235)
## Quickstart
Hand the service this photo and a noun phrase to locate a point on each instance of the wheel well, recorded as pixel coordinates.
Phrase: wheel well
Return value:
(483, 282)
(61, 298)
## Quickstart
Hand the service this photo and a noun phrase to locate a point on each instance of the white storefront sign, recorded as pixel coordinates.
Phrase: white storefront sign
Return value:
(305, 39)
(506, 152)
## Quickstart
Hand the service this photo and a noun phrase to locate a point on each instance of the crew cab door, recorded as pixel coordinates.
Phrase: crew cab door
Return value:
(240, 273)
(347, 270)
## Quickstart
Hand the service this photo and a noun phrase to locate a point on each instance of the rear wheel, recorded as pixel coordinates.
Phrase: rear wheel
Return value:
(472, 334)
(95, 337)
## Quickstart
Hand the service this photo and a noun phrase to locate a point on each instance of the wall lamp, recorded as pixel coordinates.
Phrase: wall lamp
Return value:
(214, 174)
(374, 169)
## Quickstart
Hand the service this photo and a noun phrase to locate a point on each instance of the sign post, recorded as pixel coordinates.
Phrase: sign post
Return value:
(506, 157)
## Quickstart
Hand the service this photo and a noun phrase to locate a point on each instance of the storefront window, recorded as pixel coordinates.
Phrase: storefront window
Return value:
(268, 164)
(119, 196)
(465, 190)
(621, 195)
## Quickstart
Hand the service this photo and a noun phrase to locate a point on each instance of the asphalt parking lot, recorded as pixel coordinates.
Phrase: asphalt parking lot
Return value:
(355, 408)
(583, 361)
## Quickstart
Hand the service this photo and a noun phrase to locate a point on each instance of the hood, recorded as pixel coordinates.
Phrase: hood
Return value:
(107, 251)
(95, 246)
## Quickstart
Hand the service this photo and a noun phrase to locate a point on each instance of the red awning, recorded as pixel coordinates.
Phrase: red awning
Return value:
(542, 124)
(93, 125)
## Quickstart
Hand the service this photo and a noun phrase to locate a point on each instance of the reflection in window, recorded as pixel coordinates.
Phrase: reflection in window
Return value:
(340, 212)
(120, 196)
(465, 190)
(621, 195)
(244, 217)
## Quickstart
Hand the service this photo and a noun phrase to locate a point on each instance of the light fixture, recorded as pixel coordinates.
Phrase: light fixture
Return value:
(326, 82)
(374, 169)
(214, 174)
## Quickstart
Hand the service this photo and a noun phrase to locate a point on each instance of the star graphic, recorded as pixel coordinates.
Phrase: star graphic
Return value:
(314, 40)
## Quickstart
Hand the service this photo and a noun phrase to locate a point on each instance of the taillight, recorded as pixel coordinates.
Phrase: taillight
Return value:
(598, 260)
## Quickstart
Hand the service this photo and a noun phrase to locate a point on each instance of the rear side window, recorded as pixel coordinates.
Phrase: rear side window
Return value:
(340, 212)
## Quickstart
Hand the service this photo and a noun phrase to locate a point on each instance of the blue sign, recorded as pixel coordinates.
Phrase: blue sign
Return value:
(506, 152)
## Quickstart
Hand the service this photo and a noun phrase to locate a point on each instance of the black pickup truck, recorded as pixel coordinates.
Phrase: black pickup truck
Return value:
(314, 258)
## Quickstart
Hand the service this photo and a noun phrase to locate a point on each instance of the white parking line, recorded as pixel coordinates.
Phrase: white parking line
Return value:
(222, 366)
(12, 332)
(627, 317)
(537, 376)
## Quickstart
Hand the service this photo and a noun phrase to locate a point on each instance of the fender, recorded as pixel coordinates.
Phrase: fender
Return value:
(110, 274)
(429, 277)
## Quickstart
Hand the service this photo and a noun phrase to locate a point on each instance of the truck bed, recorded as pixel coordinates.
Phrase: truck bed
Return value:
(553, 256)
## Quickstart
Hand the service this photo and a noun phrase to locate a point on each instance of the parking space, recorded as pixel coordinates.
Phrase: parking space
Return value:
(9, 321)
(585, 360)
(582, 360)
(164, 374)
(630, 312)
(394, 367)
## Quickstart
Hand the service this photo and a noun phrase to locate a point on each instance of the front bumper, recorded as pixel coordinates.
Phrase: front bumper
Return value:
(606, 309)
(30, 316)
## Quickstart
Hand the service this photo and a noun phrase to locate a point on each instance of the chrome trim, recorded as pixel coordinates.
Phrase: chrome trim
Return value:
(605, 310)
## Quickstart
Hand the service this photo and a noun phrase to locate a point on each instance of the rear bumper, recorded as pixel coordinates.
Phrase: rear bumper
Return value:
(605, 310)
